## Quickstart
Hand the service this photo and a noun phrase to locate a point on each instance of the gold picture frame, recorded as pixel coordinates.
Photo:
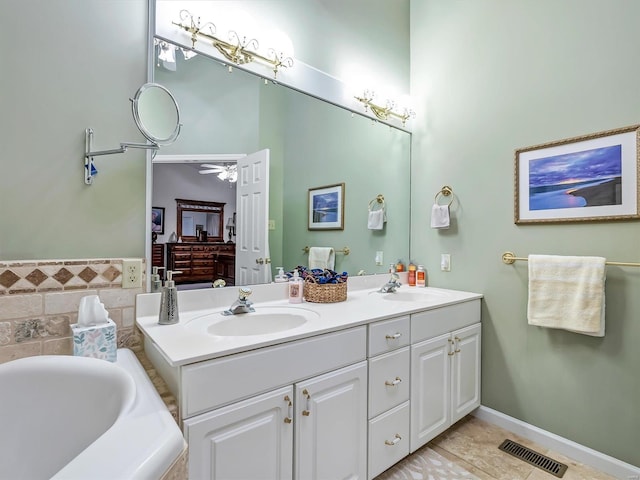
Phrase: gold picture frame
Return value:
(588, 178)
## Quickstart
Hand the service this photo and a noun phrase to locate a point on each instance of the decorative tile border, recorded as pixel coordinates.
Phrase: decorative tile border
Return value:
(23, 277)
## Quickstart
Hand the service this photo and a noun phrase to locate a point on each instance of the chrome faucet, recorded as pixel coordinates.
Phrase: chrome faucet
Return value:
(242, 304)
(392, 284)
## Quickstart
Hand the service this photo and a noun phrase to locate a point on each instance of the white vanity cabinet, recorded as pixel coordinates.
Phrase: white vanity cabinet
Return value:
(445, 368)
(252, 439)
(331, 425)
(257, 414)
(389, 375)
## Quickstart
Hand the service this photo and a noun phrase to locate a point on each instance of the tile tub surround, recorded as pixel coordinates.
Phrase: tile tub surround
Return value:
(40, 299)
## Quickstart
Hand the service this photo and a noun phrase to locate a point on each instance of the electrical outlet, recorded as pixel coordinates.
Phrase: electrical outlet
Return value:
(132, 273)
(272, 224)
(445, 262)
(379, 258)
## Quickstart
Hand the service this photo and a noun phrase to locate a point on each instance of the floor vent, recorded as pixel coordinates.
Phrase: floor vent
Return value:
(547, 464)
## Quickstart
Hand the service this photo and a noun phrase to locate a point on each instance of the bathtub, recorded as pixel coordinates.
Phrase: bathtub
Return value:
(66, 417)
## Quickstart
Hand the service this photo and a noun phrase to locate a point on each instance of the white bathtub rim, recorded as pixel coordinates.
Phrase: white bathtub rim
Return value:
(143, 442)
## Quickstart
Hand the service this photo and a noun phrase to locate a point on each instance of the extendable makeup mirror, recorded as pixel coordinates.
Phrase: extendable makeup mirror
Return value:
(156, 115)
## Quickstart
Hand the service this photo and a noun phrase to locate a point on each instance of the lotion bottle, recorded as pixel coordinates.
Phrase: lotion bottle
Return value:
(295, 288)
(412, 274)
(421, 277)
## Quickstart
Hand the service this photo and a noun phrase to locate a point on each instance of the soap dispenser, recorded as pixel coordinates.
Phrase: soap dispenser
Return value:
(169, 302)
(156, 281)
(295, 288)
(280, 277)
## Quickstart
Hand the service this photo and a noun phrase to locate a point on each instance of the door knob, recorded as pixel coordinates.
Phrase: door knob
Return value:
(260, 261)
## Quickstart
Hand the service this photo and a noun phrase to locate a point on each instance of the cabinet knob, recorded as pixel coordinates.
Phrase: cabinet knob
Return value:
(395, 440)
(393, 383)
(395, 336)
(457, 340)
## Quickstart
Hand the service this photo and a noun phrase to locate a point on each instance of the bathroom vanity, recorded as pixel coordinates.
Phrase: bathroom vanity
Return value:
(340, 390)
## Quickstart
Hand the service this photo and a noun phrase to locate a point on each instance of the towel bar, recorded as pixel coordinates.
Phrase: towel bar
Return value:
(345, 250)
(510, 257)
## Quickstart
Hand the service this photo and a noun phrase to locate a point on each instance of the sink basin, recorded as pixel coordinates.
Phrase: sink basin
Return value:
(413, 296)
(263, 321)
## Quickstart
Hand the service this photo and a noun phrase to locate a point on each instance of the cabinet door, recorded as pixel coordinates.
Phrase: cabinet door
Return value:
(465, 386)
(430, 389)
(331, 425)
(249, 440)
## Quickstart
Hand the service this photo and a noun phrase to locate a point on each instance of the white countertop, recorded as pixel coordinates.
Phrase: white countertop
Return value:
(182, 345)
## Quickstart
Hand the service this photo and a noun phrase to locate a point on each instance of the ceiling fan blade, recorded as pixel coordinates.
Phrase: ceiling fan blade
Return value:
(204, 172)
(208, 165)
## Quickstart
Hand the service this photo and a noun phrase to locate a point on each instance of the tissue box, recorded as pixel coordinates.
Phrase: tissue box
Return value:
(98, 341)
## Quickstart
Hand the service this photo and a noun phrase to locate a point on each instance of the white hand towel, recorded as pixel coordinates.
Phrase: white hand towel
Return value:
(567, 293)
(440, 216)
(376, 219)
(322, 257)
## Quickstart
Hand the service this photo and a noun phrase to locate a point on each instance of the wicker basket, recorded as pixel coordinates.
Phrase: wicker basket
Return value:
(324, 293)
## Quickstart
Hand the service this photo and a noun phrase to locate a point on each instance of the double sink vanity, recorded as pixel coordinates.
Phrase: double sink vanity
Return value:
(325, 391)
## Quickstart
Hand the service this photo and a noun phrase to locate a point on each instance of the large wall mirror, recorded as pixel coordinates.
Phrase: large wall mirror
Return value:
(312, 143)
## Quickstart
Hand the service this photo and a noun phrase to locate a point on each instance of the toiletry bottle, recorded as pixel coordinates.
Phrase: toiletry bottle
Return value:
(399, 266)
(412, 274)
(156, 281)
(169, 302)
(280, 277)
(421, 277)
(295, 288)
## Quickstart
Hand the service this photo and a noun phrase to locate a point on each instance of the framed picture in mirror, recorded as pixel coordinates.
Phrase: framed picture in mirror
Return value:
(157, 220)
(326, 207)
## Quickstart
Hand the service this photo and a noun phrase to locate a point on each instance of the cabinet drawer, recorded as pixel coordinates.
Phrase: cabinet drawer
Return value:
(388, 335)
(388, 381)
(388, 439)
(439, 321)
(207, 385)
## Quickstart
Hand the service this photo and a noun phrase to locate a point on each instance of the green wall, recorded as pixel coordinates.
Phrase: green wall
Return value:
(70, 65)
(490, 77)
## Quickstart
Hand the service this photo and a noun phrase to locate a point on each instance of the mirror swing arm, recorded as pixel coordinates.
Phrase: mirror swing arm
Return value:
(155, 139)
(89, 168)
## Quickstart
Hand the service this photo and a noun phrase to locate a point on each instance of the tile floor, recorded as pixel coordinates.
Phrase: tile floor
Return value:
(470, 451)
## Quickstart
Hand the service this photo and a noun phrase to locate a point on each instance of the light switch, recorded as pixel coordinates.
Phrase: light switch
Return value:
(445, 262)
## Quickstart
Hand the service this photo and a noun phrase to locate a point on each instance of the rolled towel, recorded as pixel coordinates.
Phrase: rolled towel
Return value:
(440, 216)
(322, 257)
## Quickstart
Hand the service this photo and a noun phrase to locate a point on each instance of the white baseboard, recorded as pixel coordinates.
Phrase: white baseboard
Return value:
(573, 450)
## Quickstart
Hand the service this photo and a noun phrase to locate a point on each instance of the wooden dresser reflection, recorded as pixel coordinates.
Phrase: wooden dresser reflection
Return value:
(202, 262)
(157, 255)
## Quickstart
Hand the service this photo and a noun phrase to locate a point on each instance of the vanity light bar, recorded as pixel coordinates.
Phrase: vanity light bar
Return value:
(235, 50)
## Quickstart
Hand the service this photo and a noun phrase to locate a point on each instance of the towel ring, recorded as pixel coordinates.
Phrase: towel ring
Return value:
(445, 192)
(379, 199)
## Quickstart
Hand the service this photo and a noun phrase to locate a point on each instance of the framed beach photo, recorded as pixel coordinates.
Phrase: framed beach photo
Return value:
(589, 178)
(326, 207)
(157, 220)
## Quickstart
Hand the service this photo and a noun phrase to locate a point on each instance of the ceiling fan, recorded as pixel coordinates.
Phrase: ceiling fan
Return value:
(228, 171)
